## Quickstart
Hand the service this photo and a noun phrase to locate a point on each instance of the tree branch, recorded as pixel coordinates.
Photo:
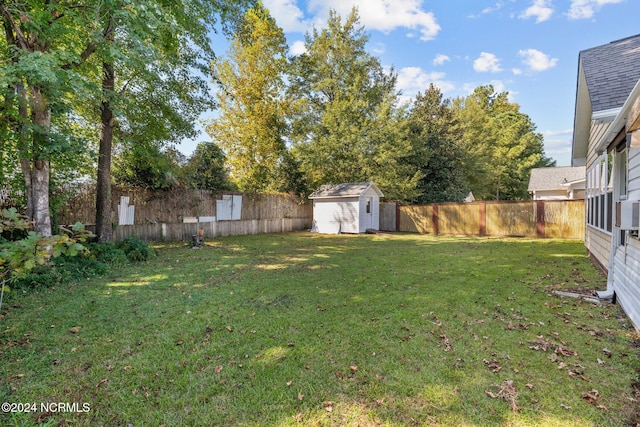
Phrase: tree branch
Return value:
(19, 37)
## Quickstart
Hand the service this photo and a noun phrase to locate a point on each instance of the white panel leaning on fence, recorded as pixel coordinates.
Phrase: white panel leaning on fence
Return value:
(126, 213)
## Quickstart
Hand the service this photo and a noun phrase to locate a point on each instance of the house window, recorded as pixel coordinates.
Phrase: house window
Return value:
(600, 193)
(369, 205)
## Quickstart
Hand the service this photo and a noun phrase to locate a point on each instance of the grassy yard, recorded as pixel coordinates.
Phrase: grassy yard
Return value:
(302, 329)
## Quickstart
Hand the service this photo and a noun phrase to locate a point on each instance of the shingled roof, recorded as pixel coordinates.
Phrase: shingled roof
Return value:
(611, 71)
(350, 189)
(553, 178)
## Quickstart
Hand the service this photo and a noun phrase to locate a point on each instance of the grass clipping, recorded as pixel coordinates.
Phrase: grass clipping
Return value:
(507, 391)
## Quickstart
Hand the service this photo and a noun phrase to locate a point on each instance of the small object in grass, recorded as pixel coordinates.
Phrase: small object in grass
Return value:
(75, 329)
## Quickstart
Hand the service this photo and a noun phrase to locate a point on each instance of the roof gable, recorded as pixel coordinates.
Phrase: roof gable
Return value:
(350, 189)
(611, 72)
(555, 178)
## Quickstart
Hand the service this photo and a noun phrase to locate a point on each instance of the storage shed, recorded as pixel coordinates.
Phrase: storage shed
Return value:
(346, 208)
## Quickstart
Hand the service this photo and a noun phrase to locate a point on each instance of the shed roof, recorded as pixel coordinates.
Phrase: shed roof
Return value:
(611, 72)
(350, 189)
(555, 178)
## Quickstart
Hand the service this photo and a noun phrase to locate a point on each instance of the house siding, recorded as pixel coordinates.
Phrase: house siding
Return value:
(633, 188)
(551, 195)
(598, 243)
(627, 279)
(333, 216)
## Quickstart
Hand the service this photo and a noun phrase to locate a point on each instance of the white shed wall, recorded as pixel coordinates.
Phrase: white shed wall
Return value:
(333, 216)
(371, 220)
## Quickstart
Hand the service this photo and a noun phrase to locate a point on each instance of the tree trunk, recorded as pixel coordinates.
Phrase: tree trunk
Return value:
(104, 230)
(39, 168)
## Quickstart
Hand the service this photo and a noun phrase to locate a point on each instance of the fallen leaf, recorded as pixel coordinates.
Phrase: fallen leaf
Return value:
(75, 329)
(328, 406)
(300, 396)
(567, 407)
(289, 383)
(510, 326)
(102, 381)
(591, 396)
(529, 386)
(353, 368)
(606, 352)
(218, 369)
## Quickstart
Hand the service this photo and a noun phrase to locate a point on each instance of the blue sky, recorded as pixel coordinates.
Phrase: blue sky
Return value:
(528, 48)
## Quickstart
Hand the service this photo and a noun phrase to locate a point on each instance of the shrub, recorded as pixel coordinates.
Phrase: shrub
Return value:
(135, 249)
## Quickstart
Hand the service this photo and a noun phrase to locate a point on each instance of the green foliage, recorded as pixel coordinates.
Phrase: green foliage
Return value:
(346, 126)
(252, 124)
(206, 168)
(135, 249)
(97, 260)
(146, 165)
(434, 134)
(501, 145)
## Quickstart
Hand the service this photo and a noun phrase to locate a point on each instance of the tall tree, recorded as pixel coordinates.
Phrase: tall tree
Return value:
(435, 136)
(347, 126)
(206, 168)
(501, 145)
(50, 48)
(252, 125)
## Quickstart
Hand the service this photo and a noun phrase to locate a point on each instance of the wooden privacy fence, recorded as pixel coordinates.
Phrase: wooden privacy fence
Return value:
(172, 206)
(167, 215)
(539, 218)
(185, 231)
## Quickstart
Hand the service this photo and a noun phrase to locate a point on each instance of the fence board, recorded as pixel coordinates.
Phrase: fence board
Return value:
(416, 219)
(548, 218)
(511, 219)
(388, 216)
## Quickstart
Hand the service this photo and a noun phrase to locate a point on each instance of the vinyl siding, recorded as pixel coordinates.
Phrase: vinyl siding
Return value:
(332, 216)
(634, 174)
(598, 243)
(626, 279)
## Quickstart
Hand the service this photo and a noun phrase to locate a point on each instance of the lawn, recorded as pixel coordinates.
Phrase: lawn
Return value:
(303, 329)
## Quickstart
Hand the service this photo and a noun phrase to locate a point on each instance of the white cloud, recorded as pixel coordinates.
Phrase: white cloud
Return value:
(412, 80)
(487, 62)
(584, 9)
(288, 15)
(536, 60)
(298, 48)
(516, 71)
(540, 9)
(383, 15)
(557, 145)
(440, 59)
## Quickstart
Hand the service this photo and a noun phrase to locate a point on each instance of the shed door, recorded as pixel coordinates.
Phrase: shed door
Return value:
(368, 214)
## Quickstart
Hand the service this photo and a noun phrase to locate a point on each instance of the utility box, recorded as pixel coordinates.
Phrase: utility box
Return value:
(628, 214)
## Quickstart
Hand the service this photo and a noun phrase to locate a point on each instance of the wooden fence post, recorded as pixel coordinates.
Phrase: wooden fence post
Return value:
(483, 218)
(397, 216)
(434, 218)
(540, 232)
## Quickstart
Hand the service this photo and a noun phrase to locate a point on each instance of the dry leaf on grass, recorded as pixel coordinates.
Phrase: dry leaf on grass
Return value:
(507, 392)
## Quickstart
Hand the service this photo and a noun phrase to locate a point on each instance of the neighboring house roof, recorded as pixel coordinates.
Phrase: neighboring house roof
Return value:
(351, 189)
(607, 75)
(547, 179)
